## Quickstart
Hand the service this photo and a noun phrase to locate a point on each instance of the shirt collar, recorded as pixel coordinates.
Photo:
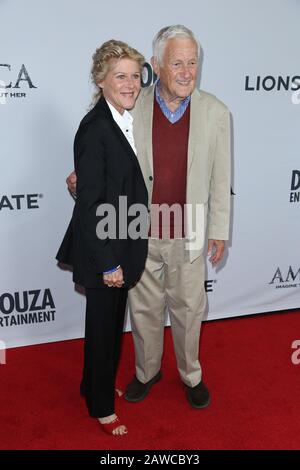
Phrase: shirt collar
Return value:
(123, 120)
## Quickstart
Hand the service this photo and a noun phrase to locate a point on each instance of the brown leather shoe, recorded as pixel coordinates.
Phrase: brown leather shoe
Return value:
(137, 391)
(198, 396)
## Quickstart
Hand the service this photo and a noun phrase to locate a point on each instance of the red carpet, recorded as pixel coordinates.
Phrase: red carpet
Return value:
(255, 390)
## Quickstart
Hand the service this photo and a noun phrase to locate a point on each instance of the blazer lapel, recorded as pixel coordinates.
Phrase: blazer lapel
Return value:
(198, 127)
(118, 131)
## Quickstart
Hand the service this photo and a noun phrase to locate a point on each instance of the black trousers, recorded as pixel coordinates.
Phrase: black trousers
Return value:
(105, 311)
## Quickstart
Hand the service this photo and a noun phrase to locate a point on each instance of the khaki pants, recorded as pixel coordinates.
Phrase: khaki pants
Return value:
(169, 280)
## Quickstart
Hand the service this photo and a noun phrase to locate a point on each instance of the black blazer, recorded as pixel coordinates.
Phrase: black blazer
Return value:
(106, 168)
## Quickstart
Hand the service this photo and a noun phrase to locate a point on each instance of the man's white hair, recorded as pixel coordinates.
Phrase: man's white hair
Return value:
(169, 32)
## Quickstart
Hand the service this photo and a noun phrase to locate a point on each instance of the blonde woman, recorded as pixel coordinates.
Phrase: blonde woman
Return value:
(106, 168)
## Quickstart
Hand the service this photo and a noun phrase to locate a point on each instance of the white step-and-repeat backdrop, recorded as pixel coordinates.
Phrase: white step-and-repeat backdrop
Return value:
(250, 61)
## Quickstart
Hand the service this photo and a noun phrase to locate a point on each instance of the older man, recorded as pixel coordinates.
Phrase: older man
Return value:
(182, 137)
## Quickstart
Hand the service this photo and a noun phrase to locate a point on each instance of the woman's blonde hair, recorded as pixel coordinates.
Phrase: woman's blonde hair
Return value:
(111, 49)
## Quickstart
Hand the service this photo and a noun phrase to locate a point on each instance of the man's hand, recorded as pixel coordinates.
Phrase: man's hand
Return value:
(114, 279)
(71, 182)
(215, 249)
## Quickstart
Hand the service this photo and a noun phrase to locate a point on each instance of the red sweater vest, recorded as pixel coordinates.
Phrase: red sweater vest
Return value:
(170, 150)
